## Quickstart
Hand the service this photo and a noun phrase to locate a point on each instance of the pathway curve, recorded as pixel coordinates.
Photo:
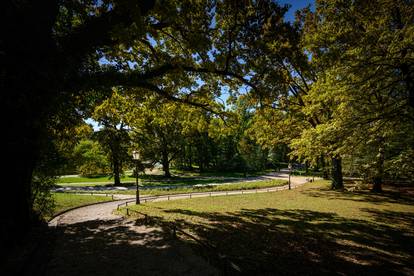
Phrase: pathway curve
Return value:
(93, 241)
(104, 211)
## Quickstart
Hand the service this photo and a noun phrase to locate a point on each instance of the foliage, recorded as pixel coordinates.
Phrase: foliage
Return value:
(43, 203)
(113, 137)
(91, 159)
(365, 81)
(158, 130)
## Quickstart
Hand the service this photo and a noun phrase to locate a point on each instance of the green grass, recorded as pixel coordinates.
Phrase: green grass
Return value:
(178, 178)
(207, 188)
(217, 173)
(146, 181)
(99, 180)
(65, 201)
(308, 230)
(216, 188)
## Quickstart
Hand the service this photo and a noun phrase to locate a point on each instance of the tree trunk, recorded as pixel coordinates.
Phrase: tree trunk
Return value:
(27, 83)
(325, 173)
(20, 152)
(377, 185)
(190, 158)
(378, 178)
(165, 164)
(116, 172)
(337, 181)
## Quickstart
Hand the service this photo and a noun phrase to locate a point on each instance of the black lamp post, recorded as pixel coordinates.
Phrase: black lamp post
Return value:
(136, 157)
(290, 172)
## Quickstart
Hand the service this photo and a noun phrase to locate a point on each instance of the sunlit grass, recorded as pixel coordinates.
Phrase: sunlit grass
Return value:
(66, 201)
(309, 228)
(201, 188)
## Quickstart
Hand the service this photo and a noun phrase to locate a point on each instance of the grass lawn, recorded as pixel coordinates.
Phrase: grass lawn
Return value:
(179, 178)
(210, 188)
(308, 230)
(100, 180)
(65, 201)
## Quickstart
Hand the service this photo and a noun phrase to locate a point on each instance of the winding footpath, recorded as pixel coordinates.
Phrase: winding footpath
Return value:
(91, 240)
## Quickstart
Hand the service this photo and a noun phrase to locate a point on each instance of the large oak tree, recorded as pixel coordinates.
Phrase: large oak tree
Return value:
(58, 56)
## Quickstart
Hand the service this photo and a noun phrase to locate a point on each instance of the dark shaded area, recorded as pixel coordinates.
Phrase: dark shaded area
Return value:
(301, 242)
(387, 196)
(30, 255)
(114, 248)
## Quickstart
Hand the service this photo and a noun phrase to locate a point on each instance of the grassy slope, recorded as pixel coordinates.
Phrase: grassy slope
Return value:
(66, 201)
(212, 188)
(309, 230)
(181, 178)
(216, 188)
(97, 180)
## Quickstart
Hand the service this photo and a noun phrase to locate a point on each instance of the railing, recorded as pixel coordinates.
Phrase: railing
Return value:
(208, 194)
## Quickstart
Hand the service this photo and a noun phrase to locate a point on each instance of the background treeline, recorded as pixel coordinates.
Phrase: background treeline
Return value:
(167, 134)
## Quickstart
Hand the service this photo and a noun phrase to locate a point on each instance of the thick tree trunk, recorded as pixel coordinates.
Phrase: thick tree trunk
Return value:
(378, 178)
(325, 173)
(337, 181)
(27, 84)
(115, 148)
(165, 164)
(190, 158)
(116, 172)
(20, 152)
(377, 185)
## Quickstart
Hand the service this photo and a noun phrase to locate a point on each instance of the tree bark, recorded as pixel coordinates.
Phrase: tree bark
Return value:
(325, 173)
(116, 172)
(165, 163)
(337, 181)
(379, 175)
(190, 158)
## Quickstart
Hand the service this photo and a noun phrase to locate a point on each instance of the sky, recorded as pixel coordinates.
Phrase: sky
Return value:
(295, 5)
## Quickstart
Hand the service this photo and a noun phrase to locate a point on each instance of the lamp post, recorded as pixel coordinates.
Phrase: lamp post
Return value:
(135, 157)
(290, 171)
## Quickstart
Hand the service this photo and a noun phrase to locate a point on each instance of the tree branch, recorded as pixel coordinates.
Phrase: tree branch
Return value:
(96, 31)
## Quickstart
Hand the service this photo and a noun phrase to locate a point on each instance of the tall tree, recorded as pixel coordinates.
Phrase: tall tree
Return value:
(147, 44)
(111, 115)
(369, 80)
(157, 130)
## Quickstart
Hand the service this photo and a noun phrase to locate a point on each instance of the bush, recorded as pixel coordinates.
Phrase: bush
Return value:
(42, 200)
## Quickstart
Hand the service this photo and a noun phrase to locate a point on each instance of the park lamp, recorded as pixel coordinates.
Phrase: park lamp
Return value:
(135, 155)
(290, 172)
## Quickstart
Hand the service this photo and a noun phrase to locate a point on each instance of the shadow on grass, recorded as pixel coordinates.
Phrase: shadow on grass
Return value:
(387, 196)
(301, 242)
(112, 248)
